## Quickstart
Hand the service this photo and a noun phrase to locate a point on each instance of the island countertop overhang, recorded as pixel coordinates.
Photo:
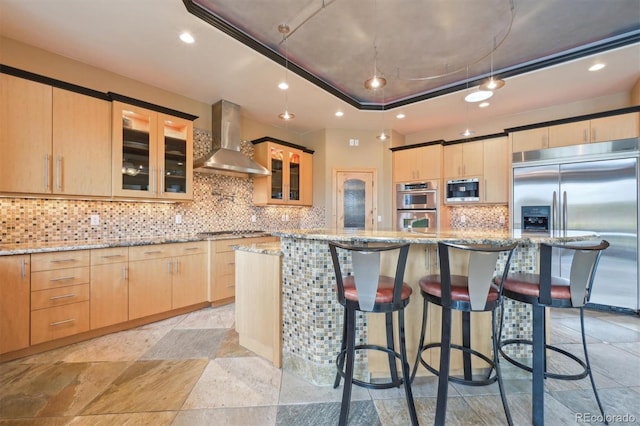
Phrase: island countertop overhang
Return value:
(452, 236)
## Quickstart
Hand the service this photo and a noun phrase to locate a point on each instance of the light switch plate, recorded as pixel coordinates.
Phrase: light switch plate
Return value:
(95, 220)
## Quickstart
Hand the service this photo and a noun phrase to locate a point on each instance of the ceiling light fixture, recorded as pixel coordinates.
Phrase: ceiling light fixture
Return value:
(483, 104)
(400, 116)
(187, 38)
(597, 67)
(467, 132)
(284, 85)
(478, 96)
(339, 113)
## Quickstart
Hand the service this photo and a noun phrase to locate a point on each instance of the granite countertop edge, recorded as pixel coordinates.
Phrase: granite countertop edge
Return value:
(272, 249)
(8, 249)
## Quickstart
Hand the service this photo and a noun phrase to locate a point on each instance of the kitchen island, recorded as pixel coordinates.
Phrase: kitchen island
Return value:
(312, 317)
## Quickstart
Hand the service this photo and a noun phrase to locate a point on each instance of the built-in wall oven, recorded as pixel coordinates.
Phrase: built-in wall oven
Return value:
(417, 206)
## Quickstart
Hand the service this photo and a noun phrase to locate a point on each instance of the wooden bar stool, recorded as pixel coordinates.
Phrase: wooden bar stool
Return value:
(548, 290)
(475, 291)
(361, 287)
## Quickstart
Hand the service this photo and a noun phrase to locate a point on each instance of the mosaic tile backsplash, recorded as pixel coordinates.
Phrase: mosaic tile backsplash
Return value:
(220, 203)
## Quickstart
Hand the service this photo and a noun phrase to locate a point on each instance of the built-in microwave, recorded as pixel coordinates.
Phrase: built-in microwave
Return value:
(463, 190)
(417, 195)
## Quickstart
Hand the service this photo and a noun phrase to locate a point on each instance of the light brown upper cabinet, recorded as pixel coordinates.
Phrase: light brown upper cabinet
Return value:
(621, 126)
(495, 187)
(152, 154)
(25, 135)
(53, 141)
(290, 182)
(421, 163)
(81, 144)
(463, 160)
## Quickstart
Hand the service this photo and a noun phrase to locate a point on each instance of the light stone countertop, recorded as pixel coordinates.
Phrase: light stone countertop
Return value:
(7, 249)
(452, 236)
(272, 248)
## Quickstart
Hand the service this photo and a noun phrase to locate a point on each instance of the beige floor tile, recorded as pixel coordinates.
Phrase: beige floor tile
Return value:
(149, 386)
(130, 419)
(236, 382)
(245, 416)
(220, 317)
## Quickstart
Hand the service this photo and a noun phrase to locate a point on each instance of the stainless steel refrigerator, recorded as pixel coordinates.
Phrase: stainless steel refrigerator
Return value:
(591, 187)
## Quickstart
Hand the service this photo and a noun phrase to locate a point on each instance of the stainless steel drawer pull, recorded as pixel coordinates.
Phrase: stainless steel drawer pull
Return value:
(64, 260)
(64, 296)
(153, 252)
(52, 324)
(192, 248)
(113, 256)
(61, 278)
(23, 269)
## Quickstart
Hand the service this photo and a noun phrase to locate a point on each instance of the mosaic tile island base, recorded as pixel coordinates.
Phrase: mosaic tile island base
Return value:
(312, 317)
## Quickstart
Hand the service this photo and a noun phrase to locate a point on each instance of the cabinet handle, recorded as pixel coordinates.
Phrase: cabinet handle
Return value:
(177, 267)
(63, 260)
(170, 267)
(112, 256)
(52, 324)
(153, 252)
(593, 135)
(59, 173)
(485, 190)
(23, 269)
(64, 296)
(46, 172)
(586, 136)
(125, 273)
(62, 278)
(192, 248)
(545, 141)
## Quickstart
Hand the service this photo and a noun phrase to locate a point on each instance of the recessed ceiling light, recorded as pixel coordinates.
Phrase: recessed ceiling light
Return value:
(484, 104)
(400, 116)
(339, 113)
(187, 38)
(283, 85)
(597, 67)
(467, 133)
(286, 115)
(478, 96)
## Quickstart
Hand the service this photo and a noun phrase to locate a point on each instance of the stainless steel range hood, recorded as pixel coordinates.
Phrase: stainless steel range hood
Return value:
(225, 155)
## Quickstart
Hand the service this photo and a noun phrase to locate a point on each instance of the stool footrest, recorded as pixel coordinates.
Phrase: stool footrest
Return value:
(370, 385)
(456, 379)
(547, 374)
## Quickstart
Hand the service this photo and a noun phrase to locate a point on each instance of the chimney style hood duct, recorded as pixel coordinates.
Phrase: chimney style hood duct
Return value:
(226, 157)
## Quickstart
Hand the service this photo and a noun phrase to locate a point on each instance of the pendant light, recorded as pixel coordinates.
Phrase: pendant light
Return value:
(376, 81)
(493, 83)
(284, 85)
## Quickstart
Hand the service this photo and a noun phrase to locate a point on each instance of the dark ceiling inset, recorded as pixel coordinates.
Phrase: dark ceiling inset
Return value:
(424, 48)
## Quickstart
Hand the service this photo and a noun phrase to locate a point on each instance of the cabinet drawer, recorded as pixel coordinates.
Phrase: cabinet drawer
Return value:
(59, 260)
(45, 280)
(225, 263)
(226, 245)
(157, 251)
(182, 249)
(59, 296)
(59, 321)
(109, 255)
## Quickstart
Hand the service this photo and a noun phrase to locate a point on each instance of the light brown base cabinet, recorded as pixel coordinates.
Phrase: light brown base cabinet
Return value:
(15, 291)
(223, 267)
(109, 286)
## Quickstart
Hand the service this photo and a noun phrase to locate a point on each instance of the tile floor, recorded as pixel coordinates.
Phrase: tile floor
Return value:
(190, 370)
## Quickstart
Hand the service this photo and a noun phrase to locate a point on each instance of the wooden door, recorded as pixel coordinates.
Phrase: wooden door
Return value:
(81, 144)
(496, 171)
(530, 140)
(25, 136)
(14, 302)
(355, 199)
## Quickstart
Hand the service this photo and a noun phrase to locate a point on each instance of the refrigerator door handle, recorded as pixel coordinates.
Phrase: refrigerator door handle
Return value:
(565, 213)
(554, 211)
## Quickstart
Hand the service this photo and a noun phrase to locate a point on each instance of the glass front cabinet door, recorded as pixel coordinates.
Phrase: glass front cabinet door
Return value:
(286, 185)
(152, 154)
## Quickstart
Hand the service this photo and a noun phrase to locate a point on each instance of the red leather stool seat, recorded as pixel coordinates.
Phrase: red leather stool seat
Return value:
(431, 285)
(529, 285)
(384, 294)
